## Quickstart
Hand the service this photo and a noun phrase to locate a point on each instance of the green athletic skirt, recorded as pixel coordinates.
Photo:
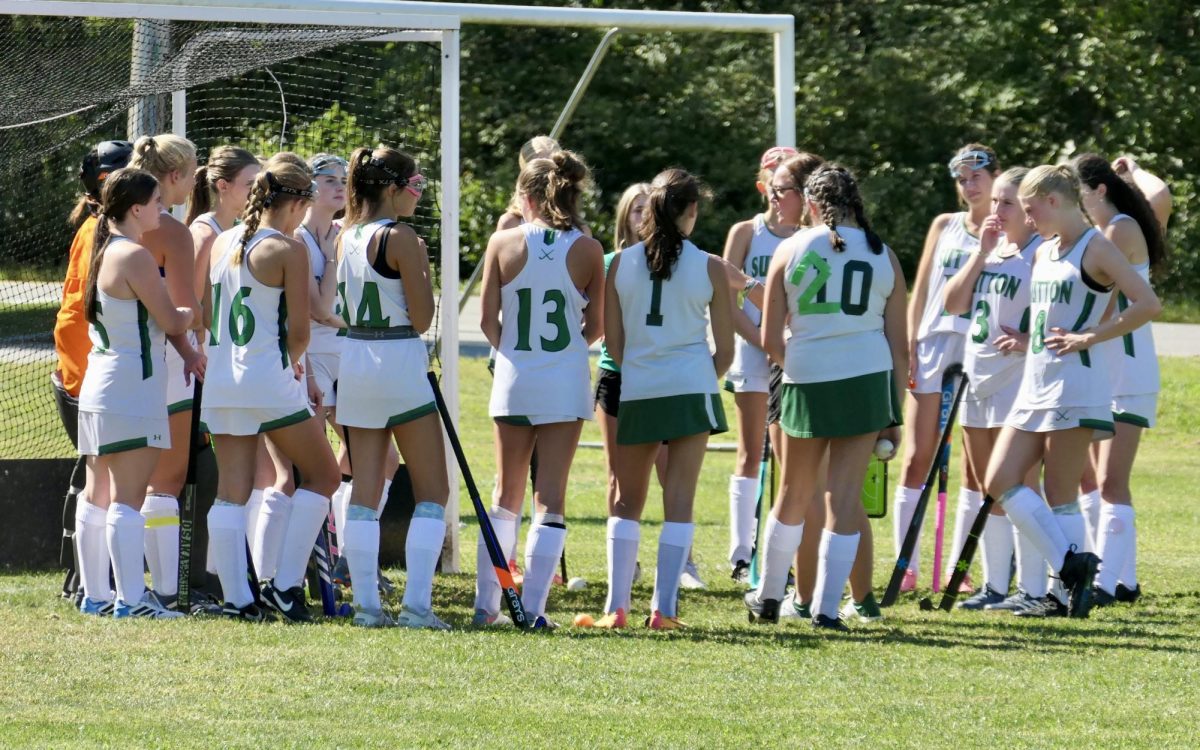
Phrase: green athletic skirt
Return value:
(656, 420)
(839, 408)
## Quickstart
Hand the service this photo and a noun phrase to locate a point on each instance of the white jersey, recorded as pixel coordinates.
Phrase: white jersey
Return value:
(1132, 358)
(1062, 297)
(666, 326)
(542, 361)
(953, 248)
(209, 219)
(763, 243)
(835, 304)
(248, 362)
(126, 371)
(369, 299)
(1001, 300)
(322, 339)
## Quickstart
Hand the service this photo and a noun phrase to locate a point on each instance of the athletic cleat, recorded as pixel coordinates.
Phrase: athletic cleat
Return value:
(865, 611)
(909, 582)
(612, 620)
(761, 611)
(1078, 574)
(410, 618)
(541, 622)
(248, 613)
(372, 618)
(1047, 606)
(825, 622)
(148, 607)
(792, 608)
(741, 572)
(341, 573)
(659, 621)
(982, 598)
(1101, 598)
(289, 603)
(76, 597)
(485, 619)
(386, 587)
(97, 607)
(1014, 603)
(1128, 595)
(690, 579)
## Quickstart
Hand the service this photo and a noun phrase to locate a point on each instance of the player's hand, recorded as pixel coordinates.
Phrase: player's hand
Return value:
(1062, 341)
(315, 397)
(1011, 341)
(194, 365)
(912, 364)
(990, 234)
(892, 434)
(298, 370)
(1124, 165)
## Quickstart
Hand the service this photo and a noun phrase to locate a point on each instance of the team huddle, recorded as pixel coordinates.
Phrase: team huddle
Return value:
(290, 276)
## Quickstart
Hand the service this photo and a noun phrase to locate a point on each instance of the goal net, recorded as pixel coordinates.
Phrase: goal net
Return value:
(72, 82)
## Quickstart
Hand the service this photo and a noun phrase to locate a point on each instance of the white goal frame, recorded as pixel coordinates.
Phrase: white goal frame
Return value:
(441, 23)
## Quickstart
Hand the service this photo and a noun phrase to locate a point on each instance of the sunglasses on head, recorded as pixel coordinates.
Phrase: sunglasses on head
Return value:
(973, 160)
(779, 193)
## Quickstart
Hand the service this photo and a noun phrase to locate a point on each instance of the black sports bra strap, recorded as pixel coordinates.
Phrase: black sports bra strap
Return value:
(380, 263)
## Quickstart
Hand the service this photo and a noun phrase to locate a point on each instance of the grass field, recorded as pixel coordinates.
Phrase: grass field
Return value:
(1125, 678)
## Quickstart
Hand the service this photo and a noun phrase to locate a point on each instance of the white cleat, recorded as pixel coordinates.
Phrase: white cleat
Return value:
(372, 618)
(410, 618)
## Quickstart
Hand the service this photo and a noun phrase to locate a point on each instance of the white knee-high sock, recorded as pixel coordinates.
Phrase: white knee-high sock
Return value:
(253, 516)
(674, 541)
(272, 528)
(162, 542)
(1070, 520)
(782, 540)
(905, 500)
(126, 545)
(1116, 544)
(543, 547)
(1129, 571)
(1032, 570)
(340, 502)
(383, 498)
(997, 553)
(304, 523)
(422, 546)
(361, 551)
(487, 586)
(1089, 504)
(623, 538)
(91, 536)
(743, 492)
(1028, 512)
(833, 571)
(227, 534)
(969, 503)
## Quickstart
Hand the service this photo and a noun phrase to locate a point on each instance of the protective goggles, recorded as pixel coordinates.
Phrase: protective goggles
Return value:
(973, 160)
(414, 184)
(324, 164)
(775, 156)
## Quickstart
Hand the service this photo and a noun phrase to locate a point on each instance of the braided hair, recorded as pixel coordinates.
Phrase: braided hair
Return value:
(1094, 170)
(123, 189)
(672, 193)
(834, 191)
(280, 182)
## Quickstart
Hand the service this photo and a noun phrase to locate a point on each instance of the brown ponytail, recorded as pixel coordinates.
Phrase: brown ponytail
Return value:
(124, 189)
(556, 185)
(280, 183)
(671, 194)
(370, 173)
(224, 163)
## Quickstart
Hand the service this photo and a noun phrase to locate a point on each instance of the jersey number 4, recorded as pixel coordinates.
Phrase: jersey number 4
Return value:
(556, 317)
(856, 285)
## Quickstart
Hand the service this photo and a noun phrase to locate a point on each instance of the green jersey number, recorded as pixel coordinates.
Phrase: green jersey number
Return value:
(655, 318)
(556, 317)
(1037, 337)
(856, 286)
(982, 311)
(101, 331)
(241, 318)
(370, 311)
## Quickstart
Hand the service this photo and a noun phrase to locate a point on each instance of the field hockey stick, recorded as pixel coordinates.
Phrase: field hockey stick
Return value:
(321, 554)
(508, 589)
(914, 527)
(943, 478)
(763, 494)
(187, 510)
(963, 563)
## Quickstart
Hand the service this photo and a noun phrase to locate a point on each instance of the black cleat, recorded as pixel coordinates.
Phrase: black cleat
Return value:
(825, 622)
(741, 572)
(1128, 595)
(1101, 598)
(1048, 606)
(289, 603)
(1078, 574)
(248, 613)
(762, 611)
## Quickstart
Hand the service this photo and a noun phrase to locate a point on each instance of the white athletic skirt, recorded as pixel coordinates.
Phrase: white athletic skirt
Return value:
(102, 434)
(750, 371)
(324, 368)
(935, 353)
(383, 383)
(1098, 418)
(238, 420)
(1140, 410)
(990, 411)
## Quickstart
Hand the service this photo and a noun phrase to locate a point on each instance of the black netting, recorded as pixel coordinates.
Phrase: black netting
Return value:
(69, 83)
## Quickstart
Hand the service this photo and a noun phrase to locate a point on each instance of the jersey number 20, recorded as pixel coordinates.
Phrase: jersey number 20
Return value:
(813, 300)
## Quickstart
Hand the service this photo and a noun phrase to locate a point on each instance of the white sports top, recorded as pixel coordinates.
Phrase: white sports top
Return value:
(322, 339)
(248, 362)
(666, 326)
(369, 300)
(1134, 357)
(763, 243)
(1061, 297)
(950, 254)
(542, 361)
(210, 219)
(126, 372)
(1001, 300)
(835, 306)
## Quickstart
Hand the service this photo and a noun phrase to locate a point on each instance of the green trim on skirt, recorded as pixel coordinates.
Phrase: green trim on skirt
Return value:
(654, 420)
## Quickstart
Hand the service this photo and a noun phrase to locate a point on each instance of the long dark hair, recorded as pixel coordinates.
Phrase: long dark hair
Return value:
(124, 189)
(671, 193)
(1094, 171)
(835, 192)
(370, 173)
